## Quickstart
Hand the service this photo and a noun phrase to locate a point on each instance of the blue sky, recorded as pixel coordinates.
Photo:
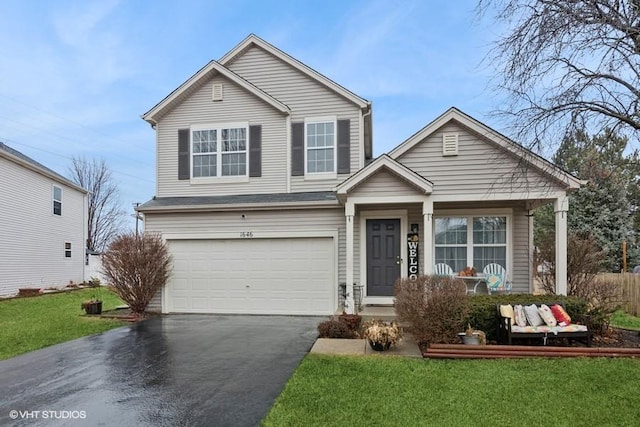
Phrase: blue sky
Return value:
(75, 76)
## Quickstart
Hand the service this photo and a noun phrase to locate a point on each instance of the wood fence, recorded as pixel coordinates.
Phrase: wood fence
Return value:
(630, 286)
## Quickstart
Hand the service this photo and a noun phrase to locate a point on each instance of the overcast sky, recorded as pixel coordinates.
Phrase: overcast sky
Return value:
(75, 76)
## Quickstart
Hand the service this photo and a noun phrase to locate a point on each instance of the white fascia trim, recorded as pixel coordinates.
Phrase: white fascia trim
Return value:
(256, 234)
(253, 39)
(483, 197)
(393, 166)
(386, 200)
(149, 116)
(287, 123)
(453, 113)
(243, 206)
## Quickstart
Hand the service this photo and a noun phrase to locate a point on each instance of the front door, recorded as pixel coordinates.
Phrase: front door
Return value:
(383, 256)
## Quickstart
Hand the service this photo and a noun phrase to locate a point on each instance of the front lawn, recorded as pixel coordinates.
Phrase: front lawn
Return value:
(620, 319)
(27, 324)
(391, 391)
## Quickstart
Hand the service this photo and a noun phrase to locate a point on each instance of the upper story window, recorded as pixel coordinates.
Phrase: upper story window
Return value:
(219, 150)
(320, 146)
(57, 200)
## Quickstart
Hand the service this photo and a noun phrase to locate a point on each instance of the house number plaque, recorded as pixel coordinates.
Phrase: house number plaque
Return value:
(412, 249)
(246, 234)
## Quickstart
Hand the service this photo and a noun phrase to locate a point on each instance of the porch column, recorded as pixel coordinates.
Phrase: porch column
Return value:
(427, 217)
(561, 207)
(349, 303)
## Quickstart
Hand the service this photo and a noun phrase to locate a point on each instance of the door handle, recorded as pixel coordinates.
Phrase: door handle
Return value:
(398, 260)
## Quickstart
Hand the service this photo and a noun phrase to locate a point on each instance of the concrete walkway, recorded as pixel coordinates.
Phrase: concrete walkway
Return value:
(407, 347)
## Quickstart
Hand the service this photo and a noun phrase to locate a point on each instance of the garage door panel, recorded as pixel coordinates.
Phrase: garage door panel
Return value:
(262, 276)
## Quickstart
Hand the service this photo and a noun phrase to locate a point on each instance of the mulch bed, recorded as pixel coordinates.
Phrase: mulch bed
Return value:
(124, 314)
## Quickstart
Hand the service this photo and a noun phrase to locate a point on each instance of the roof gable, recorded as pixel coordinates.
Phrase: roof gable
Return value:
(202, 75)
(384, 162)
(253, 40)
(27, 162)
(545, 167)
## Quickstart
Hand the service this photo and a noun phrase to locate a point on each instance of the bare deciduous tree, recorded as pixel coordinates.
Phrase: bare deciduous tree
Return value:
(566, 65)
(105, 216)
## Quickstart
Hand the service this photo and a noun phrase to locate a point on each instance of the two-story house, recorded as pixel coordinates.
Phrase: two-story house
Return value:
(269, 198)
(43, 228)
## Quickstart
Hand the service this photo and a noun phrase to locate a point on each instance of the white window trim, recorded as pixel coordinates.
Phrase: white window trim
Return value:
(53, 199)
(322, 175)
(70, 250)
(219, 178)
(470, 214)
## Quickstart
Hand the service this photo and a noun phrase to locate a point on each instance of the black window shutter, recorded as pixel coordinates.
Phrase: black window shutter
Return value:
(297, 149)
(344, 146)
(255, 150)
(183, 154)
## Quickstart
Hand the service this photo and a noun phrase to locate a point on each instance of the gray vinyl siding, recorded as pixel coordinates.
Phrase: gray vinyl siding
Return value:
(305, 97)
(238, 106)
(306, 220)
(479, 167)
(384, 184)
(521, 275)
(32, 238)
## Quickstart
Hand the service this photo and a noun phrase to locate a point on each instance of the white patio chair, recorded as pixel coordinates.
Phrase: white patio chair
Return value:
(495, 276)
(442, 269)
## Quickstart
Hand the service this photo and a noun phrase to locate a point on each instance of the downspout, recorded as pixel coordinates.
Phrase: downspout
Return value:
(362, 132)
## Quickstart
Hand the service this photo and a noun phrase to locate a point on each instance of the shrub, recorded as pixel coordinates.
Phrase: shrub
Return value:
(436, 307)
(584, 262)
(334, 329)
(136, 267)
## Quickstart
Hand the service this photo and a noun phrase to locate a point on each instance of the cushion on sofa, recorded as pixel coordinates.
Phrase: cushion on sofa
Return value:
(521, 318)
(507, 311)
(533, 317)
(547, 315)
(560, 314)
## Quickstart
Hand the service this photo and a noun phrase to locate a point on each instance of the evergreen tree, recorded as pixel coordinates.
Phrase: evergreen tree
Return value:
(607, 206)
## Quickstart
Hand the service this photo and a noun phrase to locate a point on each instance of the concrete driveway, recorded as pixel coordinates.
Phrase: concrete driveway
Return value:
(179, 370)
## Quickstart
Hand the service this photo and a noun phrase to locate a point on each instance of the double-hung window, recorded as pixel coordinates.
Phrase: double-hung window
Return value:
(320, 146)
(57, 200)
(219, 150)
(462, 241)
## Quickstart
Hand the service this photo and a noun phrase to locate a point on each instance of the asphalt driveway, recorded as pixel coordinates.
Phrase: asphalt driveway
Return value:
(179, 370)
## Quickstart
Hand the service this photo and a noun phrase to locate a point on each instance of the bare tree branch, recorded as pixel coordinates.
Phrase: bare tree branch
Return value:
(105, 217)
(566, 64)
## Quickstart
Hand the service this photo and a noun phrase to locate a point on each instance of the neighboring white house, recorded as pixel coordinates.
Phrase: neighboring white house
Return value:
(43, 223)
(269, 198)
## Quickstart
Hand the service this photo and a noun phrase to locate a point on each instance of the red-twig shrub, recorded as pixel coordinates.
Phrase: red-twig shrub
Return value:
(436, 307)
(136, 267)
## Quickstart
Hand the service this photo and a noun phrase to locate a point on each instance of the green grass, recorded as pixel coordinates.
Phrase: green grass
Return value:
(390, 391)
(27, 324)
(620, 319)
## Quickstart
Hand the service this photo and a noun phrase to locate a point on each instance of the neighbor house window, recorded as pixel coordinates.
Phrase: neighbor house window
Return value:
(320, 146)
(57, 200)
(219, 151)
(476, 241)
(67, 250)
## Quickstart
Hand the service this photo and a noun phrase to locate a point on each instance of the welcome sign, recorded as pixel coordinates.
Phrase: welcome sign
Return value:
(412, 243)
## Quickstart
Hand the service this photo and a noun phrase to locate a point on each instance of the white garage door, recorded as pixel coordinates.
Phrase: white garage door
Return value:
(254, 276)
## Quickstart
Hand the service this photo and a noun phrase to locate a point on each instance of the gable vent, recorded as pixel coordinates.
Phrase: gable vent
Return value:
(450, 144)
(217, 94)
